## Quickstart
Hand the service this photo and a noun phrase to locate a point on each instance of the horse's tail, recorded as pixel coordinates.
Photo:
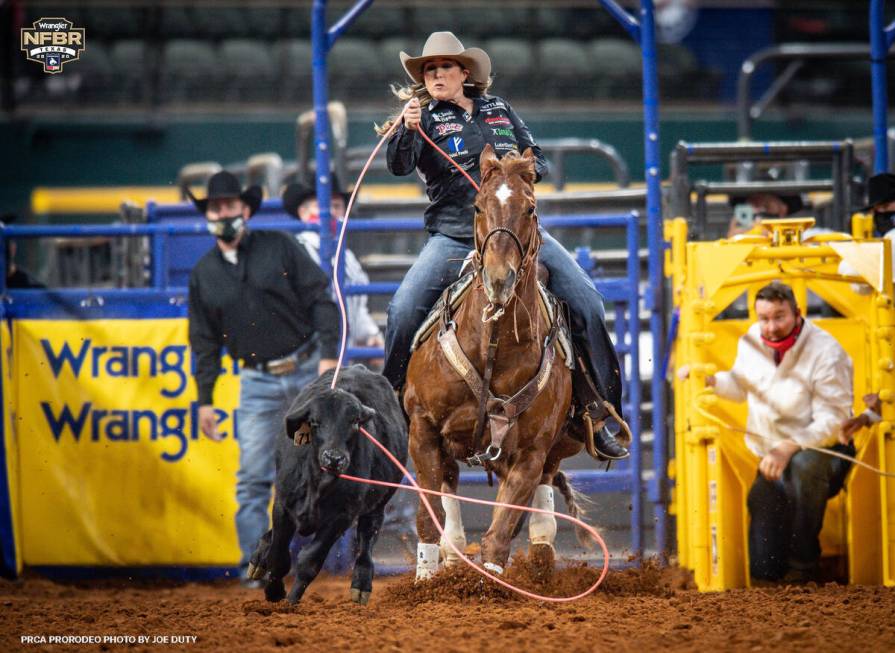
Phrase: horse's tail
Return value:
(576, 503)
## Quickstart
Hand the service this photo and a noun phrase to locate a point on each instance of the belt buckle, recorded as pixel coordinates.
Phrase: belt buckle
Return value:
(282, 366)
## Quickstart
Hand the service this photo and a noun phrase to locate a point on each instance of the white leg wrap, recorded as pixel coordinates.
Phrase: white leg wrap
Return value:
(542, 528)
(426, 560)
(453, 531)
(493, 568)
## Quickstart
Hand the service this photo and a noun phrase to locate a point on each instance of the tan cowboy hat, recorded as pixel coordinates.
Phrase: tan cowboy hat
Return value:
(447, 46)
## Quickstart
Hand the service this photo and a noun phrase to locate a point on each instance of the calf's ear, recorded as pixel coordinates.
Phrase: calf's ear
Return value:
(366, 414)
(298, 428)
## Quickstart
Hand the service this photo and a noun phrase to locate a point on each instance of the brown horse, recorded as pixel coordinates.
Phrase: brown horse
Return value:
(527, 440)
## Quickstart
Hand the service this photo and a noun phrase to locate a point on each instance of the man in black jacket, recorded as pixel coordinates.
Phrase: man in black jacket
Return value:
(261, 296)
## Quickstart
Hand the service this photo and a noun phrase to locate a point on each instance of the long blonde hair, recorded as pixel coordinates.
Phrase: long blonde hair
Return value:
(418, 90)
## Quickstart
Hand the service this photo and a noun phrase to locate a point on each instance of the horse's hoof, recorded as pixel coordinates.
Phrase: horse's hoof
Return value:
(495, 569)
(542, 558)
(359, 596)
(274, 592)
(255, 572)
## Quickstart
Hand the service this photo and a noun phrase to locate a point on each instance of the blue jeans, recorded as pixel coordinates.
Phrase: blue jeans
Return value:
(788, 514)
(263, 402)
(438, 266)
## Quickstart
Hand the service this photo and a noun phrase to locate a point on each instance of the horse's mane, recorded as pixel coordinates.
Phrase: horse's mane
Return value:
(513, 164)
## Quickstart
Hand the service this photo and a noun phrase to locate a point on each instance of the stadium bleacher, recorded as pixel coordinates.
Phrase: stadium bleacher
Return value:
(202, 53)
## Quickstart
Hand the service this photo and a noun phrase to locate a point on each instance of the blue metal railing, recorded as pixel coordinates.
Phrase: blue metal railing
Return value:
(644, 33)
(881, 38)
(163, 300)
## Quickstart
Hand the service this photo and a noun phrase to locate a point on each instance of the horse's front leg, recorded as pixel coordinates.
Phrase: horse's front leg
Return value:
(428, 459)
(453, 522)
(516, 489)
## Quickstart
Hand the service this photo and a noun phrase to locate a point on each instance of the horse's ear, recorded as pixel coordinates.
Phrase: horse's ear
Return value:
(488, 162)
(530, 173)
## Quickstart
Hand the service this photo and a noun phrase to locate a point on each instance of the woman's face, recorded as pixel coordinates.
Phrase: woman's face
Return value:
(444, 79)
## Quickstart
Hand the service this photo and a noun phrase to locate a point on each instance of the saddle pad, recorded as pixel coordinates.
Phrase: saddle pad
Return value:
(548, 305)
(550, 310)
(455, 293)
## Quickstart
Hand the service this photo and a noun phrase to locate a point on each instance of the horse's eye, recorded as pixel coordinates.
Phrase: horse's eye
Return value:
(476, 208)
(531, 210)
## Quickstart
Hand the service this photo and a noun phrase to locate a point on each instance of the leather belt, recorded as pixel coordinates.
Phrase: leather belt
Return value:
(281, 366)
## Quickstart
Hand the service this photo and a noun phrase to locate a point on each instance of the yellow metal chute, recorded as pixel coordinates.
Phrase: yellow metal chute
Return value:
(712, 468)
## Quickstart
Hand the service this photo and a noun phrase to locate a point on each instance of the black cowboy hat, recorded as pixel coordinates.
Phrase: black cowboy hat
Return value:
(880, 190)
(225, 185)
(295, 194)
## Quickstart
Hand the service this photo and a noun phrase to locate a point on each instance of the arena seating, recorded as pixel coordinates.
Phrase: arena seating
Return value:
(574, 50)
(190, 68)
(128, 59)
(564, 66)
(293, 57)
(513, 65)
(250, 70)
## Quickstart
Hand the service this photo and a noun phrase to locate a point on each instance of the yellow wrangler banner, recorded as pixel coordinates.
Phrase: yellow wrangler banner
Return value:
(112, 468)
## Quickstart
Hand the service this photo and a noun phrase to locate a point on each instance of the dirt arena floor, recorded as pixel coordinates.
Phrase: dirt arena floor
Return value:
(641, 609)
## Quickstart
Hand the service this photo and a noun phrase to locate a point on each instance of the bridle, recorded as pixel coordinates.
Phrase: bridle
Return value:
(525, 254)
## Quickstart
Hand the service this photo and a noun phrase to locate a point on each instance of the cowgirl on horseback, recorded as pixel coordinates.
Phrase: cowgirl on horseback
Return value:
(448, 100)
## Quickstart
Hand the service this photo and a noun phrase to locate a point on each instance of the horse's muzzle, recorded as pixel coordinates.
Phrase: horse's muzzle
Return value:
(499, 290)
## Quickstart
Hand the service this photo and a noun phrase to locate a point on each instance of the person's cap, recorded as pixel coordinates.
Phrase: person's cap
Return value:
(225, 185)
(444, 45)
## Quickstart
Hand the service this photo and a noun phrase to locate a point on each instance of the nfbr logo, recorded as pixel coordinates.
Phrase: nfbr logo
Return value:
(53, 42)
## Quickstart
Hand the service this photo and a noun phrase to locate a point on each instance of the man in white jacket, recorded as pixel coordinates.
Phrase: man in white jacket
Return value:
(300, 201)
(797, 381)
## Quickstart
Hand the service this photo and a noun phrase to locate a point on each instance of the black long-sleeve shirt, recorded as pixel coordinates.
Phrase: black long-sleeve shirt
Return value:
(463, 136)
(265, 307)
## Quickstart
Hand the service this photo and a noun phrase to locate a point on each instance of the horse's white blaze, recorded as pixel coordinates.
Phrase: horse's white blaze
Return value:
(541, 527)
(503, 193)
(426, 560)
(453, 530)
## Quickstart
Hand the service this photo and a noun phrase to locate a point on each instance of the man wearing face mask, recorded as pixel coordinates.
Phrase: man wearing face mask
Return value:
(262, 297)
(881, 200)
(300, 201)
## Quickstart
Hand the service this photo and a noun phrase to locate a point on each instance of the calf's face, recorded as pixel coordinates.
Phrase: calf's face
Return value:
(328, 423)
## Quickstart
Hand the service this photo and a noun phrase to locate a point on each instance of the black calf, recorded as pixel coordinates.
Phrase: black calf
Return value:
(322, 440)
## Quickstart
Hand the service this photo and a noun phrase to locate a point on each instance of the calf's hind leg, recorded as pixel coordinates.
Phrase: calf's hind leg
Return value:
(367, 533)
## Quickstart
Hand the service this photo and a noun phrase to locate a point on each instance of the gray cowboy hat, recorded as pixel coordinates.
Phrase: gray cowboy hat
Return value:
(444, 45)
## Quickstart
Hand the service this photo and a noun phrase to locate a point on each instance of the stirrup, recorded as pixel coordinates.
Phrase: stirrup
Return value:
(600, 444)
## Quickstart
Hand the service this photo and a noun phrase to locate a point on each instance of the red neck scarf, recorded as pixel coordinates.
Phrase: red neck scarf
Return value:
(780, 347)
